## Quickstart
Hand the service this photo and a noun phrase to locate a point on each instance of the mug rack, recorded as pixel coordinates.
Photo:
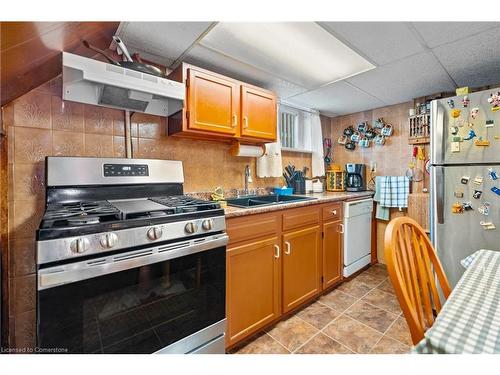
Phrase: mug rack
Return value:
(419, 129)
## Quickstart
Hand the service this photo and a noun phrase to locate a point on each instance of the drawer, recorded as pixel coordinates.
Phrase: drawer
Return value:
(332, 211)
(299, 217)
(252, 227)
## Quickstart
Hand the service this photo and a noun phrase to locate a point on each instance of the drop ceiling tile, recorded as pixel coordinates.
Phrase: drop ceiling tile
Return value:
(219, 63)
(381, 42)
(473, 61)
(164, 41)
(438, 33)
(338, 98)
(405, 79)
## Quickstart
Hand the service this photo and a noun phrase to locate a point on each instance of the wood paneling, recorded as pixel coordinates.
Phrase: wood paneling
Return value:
(332, 253)
(31, 51)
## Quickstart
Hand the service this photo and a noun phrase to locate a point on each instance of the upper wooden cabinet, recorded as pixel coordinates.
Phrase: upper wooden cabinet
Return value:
(219, 107)
(258, 113)
(213, 103)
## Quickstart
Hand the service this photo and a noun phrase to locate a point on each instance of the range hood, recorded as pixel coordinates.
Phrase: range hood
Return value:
(95, 82)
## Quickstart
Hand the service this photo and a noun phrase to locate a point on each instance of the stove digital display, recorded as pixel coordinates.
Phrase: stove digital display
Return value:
(124, 170)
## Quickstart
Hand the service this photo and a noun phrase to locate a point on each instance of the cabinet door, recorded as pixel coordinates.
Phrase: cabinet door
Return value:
(258, 114)
(213, 103)
(301, 266)
(253, 287)
(332, 253)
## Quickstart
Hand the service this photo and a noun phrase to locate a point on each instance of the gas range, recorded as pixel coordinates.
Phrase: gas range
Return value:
(119, 236)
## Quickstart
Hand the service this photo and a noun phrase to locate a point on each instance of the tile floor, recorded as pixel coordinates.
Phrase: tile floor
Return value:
(360, 316)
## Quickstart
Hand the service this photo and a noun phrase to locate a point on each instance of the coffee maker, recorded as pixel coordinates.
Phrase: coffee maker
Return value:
(355, 177)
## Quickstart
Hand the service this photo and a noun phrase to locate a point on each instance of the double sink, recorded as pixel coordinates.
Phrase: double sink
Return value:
(265, 200)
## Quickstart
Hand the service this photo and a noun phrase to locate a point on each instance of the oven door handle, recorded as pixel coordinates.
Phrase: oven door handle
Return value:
(70, 273)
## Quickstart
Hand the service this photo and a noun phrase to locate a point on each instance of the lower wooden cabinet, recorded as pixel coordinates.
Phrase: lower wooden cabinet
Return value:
(332, 253)
(254, 284)
(301, 266)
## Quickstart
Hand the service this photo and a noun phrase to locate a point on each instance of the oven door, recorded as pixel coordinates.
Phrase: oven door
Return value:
(167, 298)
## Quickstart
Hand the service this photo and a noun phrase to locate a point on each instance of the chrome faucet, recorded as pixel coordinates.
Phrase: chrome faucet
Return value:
(248, 178)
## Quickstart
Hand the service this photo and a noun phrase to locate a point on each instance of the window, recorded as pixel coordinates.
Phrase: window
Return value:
(295, 129)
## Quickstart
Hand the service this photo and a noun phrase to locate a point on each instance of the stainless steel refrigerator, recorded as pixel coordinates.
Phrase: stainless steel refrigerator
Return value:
(465, 160)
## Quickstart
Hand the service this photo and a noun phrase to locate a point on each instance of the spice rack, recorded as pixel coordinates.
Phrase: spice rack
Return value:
(419, 129)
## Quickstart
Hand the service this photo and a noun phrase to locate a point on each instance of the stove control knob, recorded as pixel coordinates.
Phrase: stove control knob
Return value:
(80, 245)
(155, 233)
(208, 224)
(191, 227)
(108, 240)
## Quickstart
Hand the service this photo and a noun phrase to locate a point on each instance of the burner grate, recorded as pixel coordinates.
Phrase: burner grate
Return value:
(185, 204)
(80, 213)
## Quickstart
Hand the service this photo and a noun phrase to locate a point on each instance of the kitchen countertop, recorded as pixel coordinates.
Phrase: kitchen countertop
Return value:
(320, 198)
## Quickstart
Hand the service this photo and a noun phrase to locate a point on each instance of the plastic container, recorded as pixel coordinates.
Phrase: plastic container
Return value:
(283, 191)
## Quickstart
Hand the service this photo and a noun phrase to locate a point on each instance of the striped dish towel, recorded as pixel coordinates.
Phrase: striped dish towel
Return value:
(394, 191)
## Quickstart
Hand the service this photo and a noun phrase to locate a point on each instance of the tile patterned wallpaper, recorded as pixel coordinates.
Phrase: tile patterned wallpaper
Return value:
(392, 158)
(40, 124)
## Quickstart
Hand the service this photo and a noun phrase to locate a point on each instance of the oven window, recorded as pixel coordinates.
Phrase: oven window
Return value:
(140, 310)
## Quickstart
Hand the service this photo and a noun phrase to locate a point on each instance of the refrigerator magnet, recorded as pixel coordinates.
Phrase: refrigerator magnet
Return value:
(457, 208)
(470, 135)
(457, 139)
(464, 180)
(455, 113)
(477, 194)
(455, 146)
(484, 209)
(465, 101)
(492, 174)
(467, 206)
(489, 123)
(458, 194)
(454, 129)
(451, 103)
(474, 112)
(494, 100)
(482, 142)
(478, 180)
(495, 190)
(487, 225)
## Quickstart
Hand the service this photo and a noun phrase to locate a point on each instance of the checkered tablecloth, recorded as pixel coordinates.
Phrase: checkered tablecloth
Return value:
(470, 319)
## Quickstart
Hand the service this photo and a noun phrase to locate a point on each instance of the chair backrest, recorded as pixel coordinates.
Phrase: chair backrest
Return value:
(413, 267)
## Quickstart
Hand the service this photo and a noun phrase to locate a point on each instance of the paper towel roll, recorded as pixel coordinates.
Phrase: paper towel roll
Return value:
(238, 149)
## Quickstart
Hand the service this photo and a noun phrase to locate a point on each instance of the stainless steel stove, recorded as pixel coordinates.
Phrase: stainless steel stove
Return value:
(126, 263)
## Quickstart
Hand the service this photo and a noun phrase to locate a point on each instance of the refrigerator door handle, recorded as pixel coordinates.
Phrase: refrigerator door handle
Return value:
(439, 186)
(437, 133)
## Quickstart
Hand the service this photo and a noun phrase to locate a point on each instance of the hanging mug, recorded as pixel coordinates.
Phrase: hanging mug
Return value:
(355, 137)
(350, 146)
(386, 130)
(379, 123)
(379, 139)
(363, 127)
(342, 139)
(349, 131)
(364, 142)
(370, 134)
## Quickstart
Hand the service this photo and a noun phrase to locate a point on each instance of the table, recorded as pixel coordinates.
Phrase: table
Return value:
(470, 319)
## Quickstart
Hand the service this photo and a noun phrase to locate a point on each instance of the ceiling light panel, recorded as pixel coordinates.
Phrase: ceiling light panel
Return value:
(300, 52)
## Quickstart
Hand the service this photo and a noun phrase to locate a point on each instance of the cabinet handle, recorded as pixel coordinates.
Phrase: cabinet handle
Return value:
(276, 251)
(341, 227)
(235, 120)
(288, 248)
(245, 122)
(334, 212)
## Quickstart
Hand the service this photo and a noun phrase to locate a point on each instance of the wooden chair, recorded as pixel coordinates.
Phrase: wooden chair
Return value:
(413, 266)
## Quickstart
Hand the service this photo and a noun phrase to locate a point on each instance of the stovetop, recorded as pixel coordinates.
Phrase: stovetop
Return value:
(69, 219)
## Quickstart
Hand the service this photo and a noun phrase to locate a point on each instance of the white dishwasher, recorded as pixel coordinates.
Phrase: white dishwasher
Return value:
(357, 235)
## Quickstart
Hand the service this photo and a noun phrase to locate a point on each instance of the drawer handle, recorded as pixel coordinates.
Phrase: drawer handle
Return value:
(235, 120)
(334, 212)
(245, 122)
(341, 228)
(288, 248)
(276, 251)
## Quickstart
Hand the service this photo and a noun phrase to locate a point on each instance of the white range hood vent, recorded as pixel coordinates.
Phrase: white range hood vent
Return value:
(95, 82)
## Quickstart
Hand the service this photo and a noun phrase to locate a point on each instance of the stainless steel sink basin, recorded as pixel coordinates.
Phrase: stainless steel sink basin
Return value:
(265, 200)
